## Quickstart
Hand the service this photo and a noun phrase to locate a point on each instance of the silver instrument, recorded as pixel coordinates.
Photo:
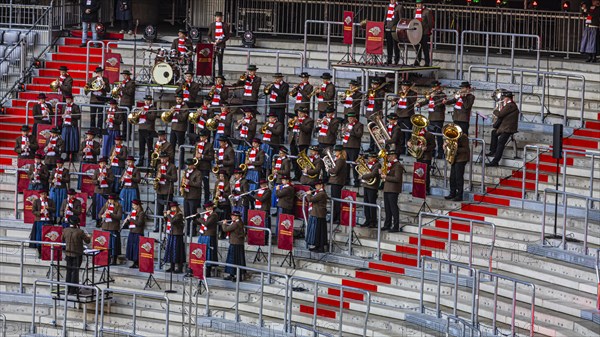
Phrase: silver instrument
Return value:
(328, 159)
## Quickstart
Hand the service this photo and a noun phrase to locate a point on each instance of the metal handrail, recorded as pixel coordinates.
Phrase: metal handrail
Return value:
(87, 56)
(269, 240)
(597, 267)
(462, 322)
(3, 325)
(277, 52)
(328, 36)
(450, 219)
(136, 294)
(434, 45)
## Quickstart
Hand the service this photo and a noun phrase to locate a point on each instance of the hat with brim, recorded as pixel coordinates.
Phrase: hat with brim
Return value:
(351, 114)
(304, 75)
(283, 149)
(161, 132)
(354, 83)
(464, 85)
(236, 213)
(406, 83)
(136, 202)
(314, 148)
(130, 158)
(252, 67)
(218, 13)
(25, 128)
(338, 148)
(326, 76)
(60, 161)
(188, 72)
(392, 116)
(55, 131)
(278, 75)
(256, 140)
(63, 68)
(71, 192)
(41, 95)
(173, 204)
(102, 160)
(208, 204)
(98, 70)
(329, 109)
(112, 101)
(90, 132)
(148, 98)
(113, 197)
(182, 30)
(507, 94)
(38, 156)
(163, 155)
(126, 72)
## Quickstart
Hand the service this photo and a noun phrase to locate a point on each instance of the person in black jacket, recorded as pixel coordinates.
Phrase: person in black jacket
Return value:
(506, 124)
(124, 13)
(89, 17)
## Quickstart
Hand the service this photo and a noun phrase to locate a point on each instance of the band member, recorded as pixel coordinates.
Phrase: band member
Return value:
(239, 185)
(175, 249)
(118, 155)
(278, 95)
(437, 113)
(352, 133)
(74, 238)
(65, 82)
(59, 185)
(251, 84)
(371, 190)
(247, 127)
(26, 144)
(427, 155)
(457, 169)
(38, 174)
(42, 112)
(282, 164)
(90, 148)
(205, 155)
(225, 119)
(405, 108)
(590, 39)
(54, 148)
(221, 192)
(463, 103)
(136, 220)
(285, 194)
(392, 16)
(70, 208)
(392, 187)
(112, 124)
(326, 96)
(310, 175)
(183, 44)
(129, 184)
(103, 180)
(272, 137)
(166, 176)
(220, 92)
(352, 99)
(301, 136)
(179, 123)
(191, 190)
(205, 112)
(328, 129)
(147, 128)
(337, 179)
(43, 209)
(506, 125)
(225, 156)
(70, 116)
(97, 97)
(254, 162)
(111, 215)
(218, 34)
(374, 103)
(425, 16)
(162, 146)
(188, 90)
(207, 223)
(316, 231)
(236, 253)
(262, 202)
(302, 92)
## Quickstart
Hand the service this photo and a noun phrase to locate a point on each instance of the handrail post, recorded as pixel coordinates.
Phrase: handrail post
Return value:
(21, 290)
(378, 232)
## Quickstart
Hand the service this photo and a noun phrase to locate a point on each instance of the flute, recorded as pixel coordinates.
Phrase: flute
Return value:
(194, 215)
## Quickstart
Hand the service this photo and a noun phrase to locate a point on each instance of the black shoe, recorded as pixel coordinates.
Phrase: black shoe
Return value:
(385, 228)
(457, 198)
(492, 164)
(373, 225)
(364, 224)
(135, 265)
(83, 45)
(395, 230)
(169, 270)
(417, 63)
(178, 271)
(140, 162)
(156, 230)
(489, 154)
(440, 156)
(450, 197)
(228, 278)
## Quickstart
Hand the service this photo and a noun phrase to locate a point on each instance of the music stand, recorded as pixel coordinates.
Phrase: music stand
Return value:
(260, 255)
(150, 282)
(289, 258)
(483, 119)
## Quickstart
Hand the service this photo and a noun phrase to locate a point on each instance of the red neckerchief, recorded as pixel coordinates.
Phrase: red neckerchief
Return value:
(320, 97)
(268, 133)
(299, 122)
(132, 218)
(58, 174)
(244, 129)
(324, 127)
(222, 118)
(128, 180)
(248, 86)
(163, 172)
(347, 133)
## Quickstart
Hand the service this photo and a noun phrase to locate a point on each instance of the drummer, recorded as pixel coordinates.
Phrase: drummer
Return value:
(183, 45)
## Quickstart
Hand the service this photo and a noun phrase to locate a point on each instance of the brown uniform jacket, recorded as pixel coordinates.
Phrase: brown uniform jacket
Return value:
(135, 179)
(304, 137)
(282, 94)
(439, 110)
(187, 43)
(43, 173)
(193, 88)
(411, 99)
(306, 90)
(37, 114)
(75, 114)
(171, 177)
(396, 137)
(66, 88)
(286, 168)
(258, 162)
(428, 153)
(211, 223)
(95, 95)
(151, 116)
(328, 98)
(194, 183)
(115, 218)
(177, 223)
(58, 150)
(128, 94)
(377, 103)
(255, 88)
(464, 114)
(181, 123)
(277, 133)
(508, 118)
(356, 103)
(393, 180)
(139, 222)
(226, 34)
(33, 147)
(285, 196)
(95, 151)
(121, 156)
(244, 187)
(463, 151)
(338, 172)
(319, 167)
(208, 155)
(373, 174)
(251, 130)
(64, 180)
(228, 161)
(36, 208)
(319, 206)
(265, 199)
(76, 209)
(236, 232)
(332, 132)
(109, 181)
(355, 136)
(167, 148)
(74, 237)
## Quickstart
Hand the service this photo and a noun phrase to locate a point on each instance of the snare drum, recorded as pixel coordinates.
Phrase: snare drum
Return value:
(408, 31)
(162, 73)
(161, 56)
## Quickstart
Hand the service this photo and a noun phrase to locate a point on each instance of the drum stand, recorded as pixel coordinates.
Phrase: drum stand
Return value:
(348, 58)
(371, 59)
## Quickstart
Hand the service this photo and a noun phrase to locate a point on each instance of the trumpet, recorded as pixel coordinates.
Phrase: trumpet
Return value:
(292, 122)
(54, 85)
(294, 90)
(314, 92)
(263, 130)
(156, 180)
(243, 77)
(211, 93)
(217, 196)
(167, 116)
(268, 88)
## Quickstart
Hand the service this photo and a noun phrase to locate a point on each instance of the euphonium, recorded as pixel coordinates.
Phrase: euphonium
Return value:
(305, 163)
(194, 117)
(451, 134)
(379, 133)
(292, 122)
(418, 142)
(167, 116)
(134, 116)
(362, 168)
(54, 85)
(212, 124)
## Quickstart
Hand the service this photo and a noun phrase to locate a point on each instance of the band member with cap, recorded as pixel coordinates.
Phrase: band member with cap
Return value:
(135, 221)
(118, 155)
(255, 161)
(65, 82)
(90, 148)
(282, 164)
(175, 247)
(166, 176)
(393, 14)
(425, 16)
(207, 223)
(126, 97)
(316, 231)
(272, 137)
(239, 185)
(352, 99)
(506, 125)
(205, 154)
(278, 92)
(236, 254)
(189, 90)
(26, 144)
(43, 209)
(220, 92)
(463, 104)
(42, 112)
(437, 113)
(183, 44)
(179, 123)
(190, 189)
(111, 215)
(221, 192)
(426, 156)
(285, 194)
(405, 108)
(218, 34)
(352, 133)
(74, 239)
(374, 103)
(247, 128)
(225, 119)
(59, 184)
(205, 111)
(129, 183)
(146, 128)
(327, 128)
(53, 149)
(326, 95)
(310, 175)
(301, 136)
(251, 84)
(457, 169)
(97, 97)
(103, 179)
(112, 125)
(38, 174)
(70, 208)
(371, 189)
(590, 38)
(163, 146)
(392, 187)
(70, 116)
(225, 156)
(301, 92)
(337, 178)
(262, 202)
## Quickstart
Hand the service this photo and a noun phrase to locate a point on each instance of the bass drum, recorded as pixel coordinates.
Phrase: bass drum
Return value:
(408, 31)
(162, 73)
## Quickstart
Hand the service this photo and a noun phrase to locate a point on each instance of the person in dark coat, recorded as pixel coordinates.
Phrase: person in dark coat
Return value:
(43, 210)
(103, 180)
(337, 179)
(236, 254)
(457, 170)
(351, 141)
(301, 92)
(114, 118)
(70, 117)
(262, 202)
(352, 99)
(205, 154)
(59, 178)
(316, 237)
(278, 93)
(312, 174)
(395, 132)
(38, 174)
(90, 148)
(371, 190)
(111, 215)
(251, 83)
(326, 96)
(70, 208)
(506, 125)
(425, 16)
(301, 137)
(437, 113)
(590, 38)
(42, 112)
(166, 176)
(26, 144)
(65, 82)
(218, 34)
(74, 238)
(427, 155)
(393, 14)
(147, 129)
(89, 19)
(392, 188)
(285, 197)
(327, 128)
(175, 249)
(53, 149)
(129, 184)
(124, 13)
(135, 221)
(191, 188)
(126, 99)
(98, 97)
(208, 222)
(405, 108)
(463, 104)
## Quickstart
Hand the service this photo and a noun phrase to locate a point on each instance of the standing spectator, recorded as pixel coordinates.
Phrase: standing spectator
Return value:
(124, 13)
(89, 17)
(591, 32)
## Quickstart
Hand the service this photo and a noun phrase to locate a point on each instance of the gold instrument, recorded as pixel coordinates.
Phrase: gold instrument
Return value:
(156, 180)
(451, 134)
(404, 93)
(212, 124)
(184, 184)
(292, 122)
(211, 93)
(54, 85)
(243, 77)
(384, 166)
(428, 94)
(154, 159)
(116, 91)
(245, 164)
(194, 116)
(305, 163)
(97, 85)
(351, 92)
(294, 90)
(215, 169)
(381, 86)
(328, 160)
(112, 157)
(314, 92)
(268, 88)
(134, 116)
(196, 161)
(167, 116)
(362, 168)
(418, 143)
(263, 130)
(217, 195)
(379, 133)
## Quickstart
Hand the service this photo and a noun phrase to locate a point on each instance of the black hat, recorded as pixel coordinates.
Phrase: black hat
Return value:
(304, 75)
(178, 95)
(204, 133)
(256, 140)
(98, 69)
(74, 220)
(102, 160)
(392, 116)
(221, 77)
(236, 213)
(314, 148)
(38, 156)
(208, 204)
(354, 83)
(188, 72)
(68, 96)
(277, 75)
(272, 114)
(118, 137)
(338, 148)
(42, 95)
(189, 161)
(377, 80)
(351, 114)
(182, 30)
(286, 177)
(63, 68)
(44, 190)
(464, 85)
(113, 197)
(55, 131)
(373, 154)
(246, 109)
(263, 181)
(303, 109)
(283, 149)
(406, 83)
(148, 98)
(60, 161)
(206, 98)
(112, 101)
(252, 67)
(507, 94)
(25, 128)
(218, 13)
(223, 138)
(71, 192)
(330, 109)
(224, 172)
(238, 171)
(436, 83)
(136, 202)
(326, 76)
(391, 152)
(163, 155)
(161, 132)
(126, 72)
(130, 158)
(90, 132)
(173, 203)
(318, 182)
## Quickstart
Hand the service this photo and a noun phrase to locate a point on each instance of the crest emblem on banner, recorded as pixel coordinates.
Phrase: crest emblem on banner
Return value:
(375, 31)
(286, 224)
(420, 172)
(204, 52)
(256, 220)
(32, 198)
(197, 253)
(101, 240)
(112, 61)
(147, 247)
(348, 20)
(53, 235)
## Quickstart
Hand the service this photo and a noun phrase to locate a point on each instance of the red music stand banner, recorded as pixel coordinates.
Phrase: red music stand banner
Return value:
(374, 40)
(346, 215)
(256, 218)
(43, 134)
(87, 181)
(112, 66)
(197, 259)
(83, 199)
(29, 197)
(146, 255)
(419, 187)
(348, 25)
(300, 190)
(22, 177)
(204, 59)
(100, 241)
(51, 234)
(285, 232)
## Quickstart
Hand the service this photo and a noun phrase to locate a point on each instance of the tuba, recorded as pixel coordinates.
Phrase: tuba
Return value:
(305, 163)
(328, 159)
(54, 85)
(451, 134)
(134, 116)
(379, 133)
(194, 117)
(362, 168)
(418, 142)
(167, 116)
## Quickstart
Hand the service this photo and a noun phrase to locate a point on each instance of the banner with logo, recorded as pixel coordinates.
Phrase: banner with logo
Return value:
(348, 25)
(419, 187)
(87, 181)
(83, 197)
(285, 234)
(300, 190)
(197, 259)
(112, 66)
(43, 134)
(374, 40)
(22, 177)
(51, 234)
(146, 255)
(346, 214)
(29, 197)
(256, 218)
(204, 59)
(100, 241)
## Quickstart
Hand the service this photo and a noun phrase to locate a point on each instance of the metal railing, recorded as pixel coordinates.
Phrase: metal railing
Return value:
(449, 39)
(87, 56)
(250, 51)
(327, 33)
(2, 325)
(463, 325)
(135, 294)
(597, 267)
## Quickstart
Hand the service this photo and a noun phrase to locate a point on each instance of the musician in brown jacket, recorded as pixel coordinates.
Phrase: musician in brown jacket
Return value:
(26, 144)
(54, 148)
(395, 132)
(437, 113)
(337, 179)
(326, 96)
(221, 192)
(74, 238)
(352, 99)
(166, 175)
(191, 186)
(457, 170)
(463, 104)
(392, 188)
(128, 184)
(300, 136)
(310, 175)
(90, 148)
(251, 84)
(316, 231)
(98, 97)
(236, 254)
(111, 215)
(189, 90)
(103, 180)
(42, 112)
(405, 108)
(43, 209)
(175, 248)
(179, 123)
(301, 92)
(207, 223)
(205, 154)
(371, 190)
(392, 16)
(328, 129)
(163, 146)
(135, 221)
(126, 97)
(285, 195)
(282, 164)
(218, 34)
(225, 156)
(70, 208)
(352, 133)
(506, 125)
(38, 174)
(427, 156)
(146, 128)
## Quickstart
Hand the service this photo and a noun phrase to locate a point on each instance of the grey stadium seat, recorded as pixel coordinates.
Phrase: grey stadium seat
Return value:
(11, 37)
